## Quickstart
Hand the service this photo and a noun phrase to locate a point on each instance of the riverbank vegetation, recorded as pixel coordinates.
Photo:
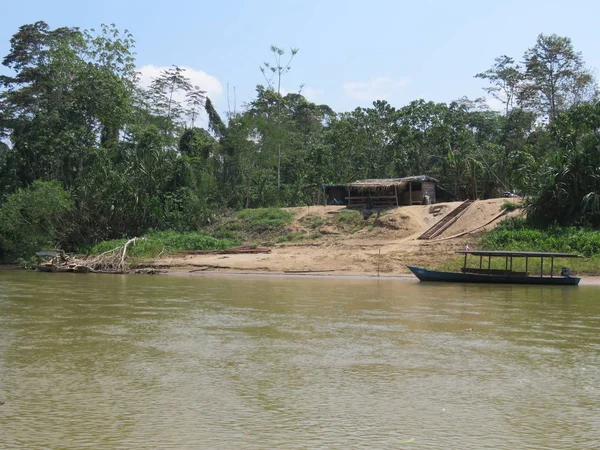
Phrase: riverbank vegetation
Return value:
(519, 234)
(163, 242)
(89, 154)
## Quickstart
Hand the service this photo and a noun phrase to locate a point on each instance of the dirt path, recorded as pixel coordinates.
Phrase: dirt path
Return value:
(384, 245)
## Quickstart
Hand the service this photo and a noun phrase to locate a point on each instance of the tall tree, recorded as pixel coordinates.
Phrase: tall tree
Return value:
(163, 91)
(556, 76)
(194, 100)
(565, 187)
(273, 73)
(69, 93)
(506, 79)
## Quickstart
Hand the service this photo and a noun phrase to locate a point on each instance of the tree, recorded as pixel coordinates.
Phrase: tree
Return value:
(34, 219)
(162, 95)
(40, 104)
(565, 186)
(194, 100)
(196, 142)
(70, 92)
(556, 77)
(273, 72)
(215, 123)
(506, 80)
(112, 79)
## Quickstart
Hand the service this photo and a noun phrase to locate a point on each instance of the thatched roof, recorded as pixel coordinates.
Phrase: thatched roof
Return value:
(385, 183)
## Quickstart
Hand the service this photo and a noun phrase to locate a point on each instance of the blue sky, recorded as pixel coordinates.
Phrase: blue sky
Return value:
(350, 52)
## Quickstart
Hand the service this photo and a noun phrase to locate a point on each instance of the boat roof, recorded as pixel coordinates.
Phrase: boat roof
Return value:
(520, 254)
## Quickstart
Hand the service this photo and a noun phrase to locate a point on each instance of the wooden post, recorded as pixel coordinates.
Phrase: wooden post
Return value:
(526, 264)
(511, 263)
(480, 261)
(551, 267)
(542, 268)
(506, 265)
(410, 193)
(489, 262)
(396, 191)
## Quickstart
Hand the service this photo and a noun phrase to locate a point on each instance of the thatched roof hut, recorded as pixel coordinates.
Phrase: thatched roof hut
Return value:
(384, 191)
(389, 183)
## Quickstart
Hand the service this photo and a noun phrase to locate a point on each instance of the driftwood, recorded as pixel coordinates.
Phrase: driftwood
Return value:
(231, 251)
(112, 261)
(307, 271)
(204, 267)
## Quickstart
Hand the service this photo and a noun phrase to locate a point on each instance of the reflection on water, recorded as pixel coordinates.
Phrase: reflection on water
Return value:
(163, 362)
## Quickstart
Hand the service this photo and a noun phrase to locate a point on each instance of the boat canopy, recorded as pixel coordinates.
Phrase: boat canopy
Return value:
(519, 254)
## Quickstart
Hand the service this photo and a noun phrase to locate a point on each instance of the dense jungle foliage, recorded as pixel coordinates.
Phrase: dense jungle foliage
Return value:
(88, 154)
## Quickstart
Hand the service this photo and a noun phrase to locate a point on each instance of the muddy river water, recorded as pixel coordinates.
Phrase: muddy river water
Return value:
(92, 361)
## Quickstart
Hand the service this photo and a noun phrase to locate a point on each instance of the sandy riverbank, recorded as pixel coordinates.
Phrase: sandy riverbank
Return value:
(383, 247)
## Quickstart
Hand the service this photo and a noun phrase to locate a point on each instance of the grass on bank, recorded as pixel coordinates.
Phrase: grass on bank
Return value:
(243, 227)
(509, 206)
(166, 242)
(350, 221)
(344, 221)
(260, 226)
(515, 234)
(260, 220)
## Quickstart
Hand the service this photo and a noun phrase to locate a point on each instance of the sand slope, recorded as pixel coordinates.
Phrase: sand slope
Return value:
(386, 244)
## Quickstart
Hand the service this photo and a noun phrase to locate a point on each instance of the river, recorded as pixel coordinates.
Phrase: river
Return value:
(100, 361)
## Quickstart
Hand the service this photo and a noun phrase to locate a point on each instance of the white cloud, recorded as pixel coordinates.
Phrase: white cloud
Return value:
(377, 88)
(206, 82)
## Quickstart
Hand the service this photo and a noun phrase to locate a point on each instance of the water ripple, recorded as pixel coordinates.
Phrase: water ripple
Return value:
(143, 362)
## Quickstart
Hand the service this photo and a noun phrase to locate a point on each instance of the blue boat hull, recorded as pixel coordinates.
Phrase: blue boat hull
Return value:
(456, 277)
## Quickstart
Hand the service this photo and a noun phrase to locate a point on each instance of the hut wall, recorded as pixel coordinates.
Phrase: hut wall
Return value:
(417, 193)
(403, 198)
(336, 195)
(410, 190)
(428, 188)
(417, 197)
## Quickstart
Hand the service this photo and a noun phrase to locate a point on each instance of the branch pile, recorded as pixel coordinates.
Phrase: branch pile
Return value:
(112, 261)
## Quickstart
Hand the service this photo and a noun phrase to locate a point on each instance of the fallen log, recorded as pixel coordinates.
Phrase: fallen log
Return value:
(230, 251)
(307, 271)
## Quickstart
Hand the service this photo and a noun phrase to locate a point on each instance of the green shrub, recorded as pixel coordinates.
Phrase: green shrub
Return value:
(518, 235)
(168, 241)
(313, 222)
(509, 206)
(264, 219)
(33, 219)
(350, 220)
(222, 233)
